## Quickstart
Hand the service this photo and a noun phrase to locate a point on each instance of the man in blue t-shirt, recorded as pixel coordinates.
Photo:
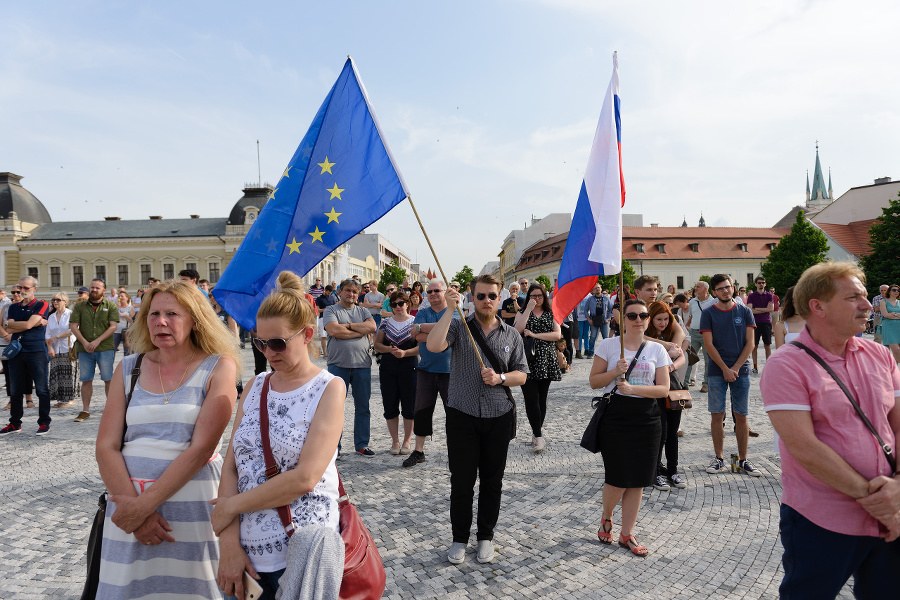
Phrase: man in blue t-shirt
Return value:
(25, 322)
(727, 329)
(433, 373)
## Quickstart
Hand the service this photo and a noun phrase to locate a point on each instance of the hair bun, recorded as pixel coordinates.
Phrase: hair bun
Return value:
(289, 281)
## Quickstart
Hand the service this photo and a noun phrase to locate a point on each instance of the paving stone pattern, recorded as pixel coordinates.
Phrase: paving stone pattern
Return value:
(716, 539)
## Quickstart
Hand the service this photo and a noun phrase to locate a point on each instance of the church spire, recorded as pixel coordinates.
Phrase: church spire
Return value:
(818, 192)
(807, 185)
(702, 220)
(830, 193)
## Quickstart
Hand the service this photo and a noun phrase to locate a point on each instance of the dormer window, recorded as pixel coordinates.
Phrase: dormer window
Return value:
(743, 247)
(661, 248)
(772, 245)
(695, 247)
(639, 248)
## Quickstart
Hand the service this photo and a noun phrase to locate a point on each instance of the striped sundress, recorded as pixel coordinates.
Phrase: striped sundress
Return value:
(157, 434)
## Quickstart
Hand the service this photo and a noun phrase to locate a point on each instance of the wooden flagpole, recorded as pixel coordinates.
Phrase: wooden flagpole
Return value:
(447, 283)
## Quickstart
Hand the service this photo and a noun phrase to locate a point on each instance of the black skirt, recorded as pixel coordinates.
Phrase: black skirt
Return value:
(629, 441)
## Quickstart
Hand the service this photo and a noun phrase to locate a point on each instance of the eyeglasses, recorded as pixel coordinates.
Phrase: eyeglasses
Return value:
(762, 281)
(398, 303)
(537, 296)
(722, 288)
(435, 291)
(636, 316)
(25, 288)
(274, 344)
(482, 296)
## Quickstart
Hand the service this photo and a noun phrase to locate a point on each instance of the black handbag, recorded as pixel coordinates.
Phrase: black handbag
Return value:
(590, 441)
(95, 539)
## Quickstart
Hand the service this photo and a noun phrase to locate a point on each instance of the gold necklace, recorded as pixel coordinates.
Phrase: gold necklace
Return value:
(162, 387)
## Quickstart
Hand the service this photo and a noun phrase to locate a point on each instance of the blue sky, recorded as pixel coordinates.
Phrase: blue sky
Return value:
(138, 108)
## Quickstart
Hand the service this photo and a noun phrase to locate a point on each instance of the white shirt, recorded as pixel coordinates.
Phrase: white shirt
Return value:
(652, 357)
(58, 323)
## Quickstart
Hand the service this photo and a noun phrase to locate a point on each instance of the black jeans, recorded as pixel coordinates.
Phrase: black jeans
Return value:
(22, 368)
(535, 392)
(428, 386)
(398, 386)
(476, 447)
(670, 421)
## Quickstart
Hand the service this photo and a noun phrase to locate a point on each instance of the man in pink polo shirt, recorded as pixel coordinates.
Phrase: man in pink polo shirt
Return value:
(840, 506)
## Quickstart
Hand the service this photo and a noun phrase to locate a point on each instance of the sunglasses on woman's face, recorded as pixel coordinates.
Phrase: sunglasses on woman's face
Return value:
(275, 344)
(482, 296)
(398, 303)
(636, 316)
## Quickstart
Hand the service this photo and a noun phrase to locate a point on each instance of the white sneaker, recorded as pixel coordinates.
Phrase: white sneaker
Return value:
(539, 444)
(457, 553)
(486, 550)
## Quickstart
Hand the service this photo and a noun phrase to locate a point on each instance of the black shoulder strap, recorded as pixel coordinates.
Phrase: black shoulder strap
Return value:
(498, 367)
(888, 451)
(135, 373)
(634, 360)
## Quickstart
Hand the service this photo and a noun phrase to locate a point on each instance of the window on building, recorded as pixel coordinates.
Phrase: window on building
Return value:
(33, 272)
(213, 272)
(54, 277)
(123, 274)
(100, 271)
(750, 283)
(679, 282)
(168, 271)
(77, 276)
(145, 274)
(190, 266)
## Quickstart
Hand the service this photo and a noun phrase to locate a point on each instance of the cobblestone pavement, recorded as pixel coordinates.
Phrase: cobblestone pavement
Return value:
(716, 539)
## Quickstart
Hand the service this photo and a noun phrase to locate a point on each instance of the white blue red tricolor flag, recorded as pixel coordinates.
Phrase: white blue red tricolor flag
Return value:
(594, 246)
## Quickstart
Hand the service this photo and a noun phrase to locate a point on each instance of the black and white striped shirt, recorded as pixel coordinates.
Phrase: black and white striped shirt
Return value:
(468, 393)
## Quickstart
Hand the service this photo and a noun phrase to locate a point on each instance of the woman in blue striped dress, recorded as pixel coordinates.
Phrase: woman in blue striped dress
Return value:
(157, 538)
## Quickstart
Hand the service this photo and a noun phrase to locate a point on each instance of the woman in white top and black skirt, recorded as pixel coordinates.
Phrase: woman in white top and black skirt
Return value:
(630, 429)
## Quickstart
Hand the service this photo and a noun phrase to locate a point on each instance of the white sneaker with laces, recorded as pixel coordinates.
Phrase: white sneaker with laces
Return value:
(661, 484)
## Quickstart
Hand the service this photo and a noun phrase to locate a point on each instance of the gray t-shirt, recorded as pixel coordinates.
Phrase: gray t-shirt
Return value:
(374, 298)
(352, 353)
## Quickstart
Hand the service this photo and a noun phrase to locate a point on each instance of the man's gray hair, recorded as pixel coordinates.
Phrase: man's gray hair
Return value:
(34, 281)
(437, 281)
(703, 283)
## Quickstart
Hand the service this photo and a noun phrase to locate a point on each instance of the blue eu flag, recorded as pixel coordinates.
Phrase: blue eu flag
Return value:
(340, 180)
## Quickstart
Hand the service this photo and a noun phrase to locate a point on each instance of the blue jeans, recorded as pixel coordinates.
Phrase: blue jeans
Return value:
(818, 562)
(22, 368)
(697, 345)
(740, 394)
(603, 330)
(584, 336)
(360, 383)
(268, 582)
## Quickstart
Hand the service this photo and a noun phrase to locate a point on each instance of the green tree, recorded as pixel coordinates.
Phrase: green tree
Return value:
(802, 248)
(882, 266)
(705, 278)
(464, 276)
(392, 273)
(545, 280)
(609, 282)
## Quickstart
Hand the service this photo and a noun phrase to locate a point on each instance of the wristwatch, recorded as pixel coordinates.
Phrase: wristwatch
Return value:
(502, 378)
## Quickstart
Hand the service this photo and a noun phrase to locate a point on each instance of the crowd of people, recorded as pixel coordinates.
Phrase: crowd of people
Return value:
(470, 345)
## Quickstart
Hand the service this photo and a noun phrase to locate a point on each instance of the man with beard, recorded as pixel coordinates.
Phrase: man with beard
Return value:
(480, 411)
(93, 322)
(25, 322)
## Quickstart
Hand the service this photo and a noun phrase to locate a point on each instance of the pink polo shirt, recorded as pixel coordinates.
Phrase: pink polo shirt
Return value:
(793, 380)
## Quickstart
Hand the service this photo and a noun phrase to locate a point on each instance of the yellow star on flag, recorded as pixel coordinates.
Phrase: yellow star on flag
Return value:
(295, 246)
(286, 171)
(335, 192)
(317, 235)
(272, 193)
(326, 166)
(333, 216)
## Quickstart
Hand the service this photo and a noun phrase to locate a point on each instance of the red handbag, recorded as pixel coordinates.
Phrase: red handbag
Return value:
(364, 577)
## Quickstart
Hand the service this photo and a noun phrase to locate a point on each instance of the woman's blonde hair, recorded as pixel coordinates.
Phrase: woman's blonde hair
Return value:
(209, 334)
(287, 301)
(62, 296)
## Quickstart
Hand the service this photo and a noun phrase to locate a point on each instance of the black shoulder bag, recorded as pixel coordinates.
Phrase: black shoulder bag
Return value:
(95, 539)
(888, 451)
(495, 363)
(590, 441)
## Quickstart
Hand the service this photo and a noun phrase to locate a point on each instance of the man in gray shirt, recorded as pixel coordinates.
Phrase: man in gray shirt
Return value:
(348, 327)
(480, 412)
(373, 301)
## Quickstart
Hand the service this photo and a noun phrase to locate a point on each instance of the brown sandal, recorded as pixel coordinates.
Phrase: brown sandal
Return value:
(632, 544)
(604, 534)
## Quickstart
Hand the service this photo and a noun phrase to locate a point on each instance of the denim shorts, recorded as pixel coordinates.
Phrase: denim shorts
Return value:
(88, 360)
(740, 394)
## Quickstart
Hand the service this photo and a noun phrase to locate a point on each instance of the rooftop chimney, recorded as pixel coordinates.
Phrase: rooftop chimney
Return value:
(195, 216)
(113, 218)
(654, 224)
(155, 217)
(882, 180)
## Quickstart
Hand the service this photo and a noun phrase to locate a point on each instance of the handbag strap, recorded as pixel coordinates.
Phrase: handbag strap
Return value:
(284, 512)
(634, 360)
(886, 448)
(135, 373)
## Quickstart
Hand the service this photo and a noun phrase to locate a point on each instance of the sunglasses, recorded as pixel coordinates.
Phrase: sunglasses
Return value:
(274, 344)
(435, 291)
(537, 296)
(25, 288)
(398, 303)
(482, 296)
(15, 292)
(56, 300)
(636, 316)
